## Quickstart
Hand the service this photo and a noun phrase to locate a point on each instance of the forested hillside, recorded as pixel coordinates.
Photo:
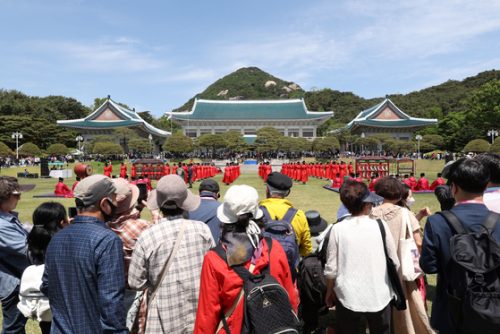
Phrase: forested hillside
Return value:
(465, 109)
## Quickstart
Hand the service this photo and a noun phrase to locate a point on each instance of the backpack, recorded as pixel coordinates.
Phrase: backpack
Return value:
(267, 307)
(282, 231)
(474, 285)
(311, 281)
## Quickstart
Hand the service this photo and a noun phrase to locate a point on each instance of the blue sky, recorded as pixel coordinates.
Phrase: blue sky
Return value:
(155, 55)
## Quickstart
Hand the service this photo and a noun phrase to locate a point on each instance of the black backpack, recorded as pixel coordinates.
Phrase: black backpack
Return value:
(474, 284)
(267, 307)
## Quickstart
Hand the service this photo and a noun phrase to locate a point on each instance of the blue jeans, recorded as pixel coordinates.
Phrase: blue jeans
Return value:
(13, 320)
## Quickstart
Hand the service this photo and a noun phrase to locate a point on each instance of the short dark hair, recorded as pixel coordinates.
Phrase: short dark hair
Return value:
(352, 194)
(389, 188)
(470, 175)
(492, 162)
(444, 197)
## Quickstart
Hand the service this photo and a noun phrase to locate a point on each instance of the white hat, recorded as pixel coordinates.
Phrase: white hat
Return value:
(238, 200)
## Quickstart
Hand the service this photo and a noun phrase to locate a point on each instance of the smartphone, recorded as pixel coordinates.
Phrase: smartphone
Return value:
(72, 212)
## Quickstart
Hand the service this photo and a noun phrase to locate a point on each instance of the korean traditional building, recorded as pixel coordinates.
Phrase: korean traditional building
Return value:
(386, 117)
(109, 116)
(290, 117)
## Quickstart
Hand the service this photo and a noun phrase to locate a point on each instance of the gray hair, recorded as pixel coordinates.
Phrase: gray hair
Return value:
(277, 192)
(8, 185)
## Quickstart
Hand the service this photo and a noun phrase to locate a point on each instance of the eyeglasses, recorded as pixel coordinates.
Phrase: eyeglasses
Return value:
(16, 195)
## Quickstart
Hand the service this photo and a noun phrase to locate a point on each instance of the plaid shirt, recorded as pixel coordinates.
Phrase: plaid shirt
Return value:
(174, 308)
(128, 228)
(83, 279)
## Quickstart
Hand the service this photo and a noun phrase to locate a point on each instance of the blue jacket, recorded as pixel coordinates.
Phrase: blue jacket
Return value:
(13, 249)
(436, 255)
(207, 213)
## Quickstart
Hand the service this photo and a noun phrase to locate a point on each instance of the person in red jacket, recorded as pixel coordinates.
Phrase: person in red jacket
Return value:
(108, 169)
(242, 241)
(423, 183)
(62, 189)
(413, 182)
(123, 171)
(133, 172)
(437, 182)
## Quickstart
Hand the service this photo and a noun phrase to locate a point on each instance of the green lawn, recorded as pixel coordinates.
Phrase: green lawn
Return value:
(306, 197)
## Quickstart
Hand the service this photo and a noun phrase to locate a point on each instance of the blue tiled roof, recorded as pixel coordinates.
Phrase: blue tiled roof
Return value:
(247, 110)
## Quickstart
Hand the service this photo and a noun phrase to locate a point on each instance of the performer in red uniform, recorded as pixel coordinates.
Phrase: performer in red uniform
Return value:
(350, 168)
(423, 183)
(303, 170)
(108, 169)
(413, 182)
(123, 171)
(166, 169)
(62, 189)
(76, 183)
(437, 182)
(371, 185)
(133, 172)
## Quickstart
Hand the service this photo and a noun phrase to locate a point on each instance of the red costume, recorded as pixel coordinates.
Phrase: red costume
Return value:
(62, 189)
(422, 184)
(133, 172)
(108, 170)
(123, 171)
(437, 182)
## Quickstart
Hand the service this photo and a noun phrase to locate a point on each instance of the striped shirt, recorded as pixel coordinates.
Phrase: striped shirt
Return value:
(174, 308)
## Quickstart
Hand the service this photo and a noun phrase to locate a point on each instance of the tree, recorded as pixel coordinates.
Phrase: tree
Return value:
(484, 109)
(234, 141)
(326, 144)
(368, 143)
(139, 145)
(268, 140)
(107, 148)
(29, 149)
(57, 149)
(211, 142)
(477, 146)
(5, 151)
(495, 147)
(178, 143)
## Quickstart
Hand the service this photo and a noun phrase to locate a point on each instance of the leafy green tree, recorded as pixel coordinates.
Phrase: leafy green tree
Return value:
(234, 141)
(178, 143)
(139, 145)
(107, 148)
(484, 109)
(57, 149)
(495, 147)
(212, 142)
(326, 144)
(477, 146)
(368, 143)
(268, 140)
(29, 149)
(5, 151)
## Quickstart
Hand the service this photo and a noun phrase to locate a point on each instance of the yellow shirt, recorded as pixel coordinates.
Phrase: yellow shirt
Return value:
(277, 207)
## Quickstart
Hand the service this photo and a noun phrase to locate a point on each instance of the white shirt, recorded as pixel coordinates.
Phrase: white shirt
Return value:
(356, 260)
(491, 199)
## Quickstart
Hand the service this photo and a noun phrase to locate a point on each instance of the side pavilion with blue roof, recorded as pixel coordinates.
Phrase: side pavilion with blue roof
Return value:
(290, 117)
(386, 117)
(109, 116)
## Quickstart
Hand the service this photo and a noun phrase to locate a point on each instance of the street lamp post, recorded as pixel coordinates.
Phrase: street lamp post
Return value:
(17, 135)
(79, 140)
(418, 138)
(362, 146)
(492, 133)
(150, 137)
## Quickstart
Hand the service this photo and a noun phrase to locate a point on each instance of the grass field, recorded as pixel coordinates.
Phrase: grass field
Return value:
(306, 197)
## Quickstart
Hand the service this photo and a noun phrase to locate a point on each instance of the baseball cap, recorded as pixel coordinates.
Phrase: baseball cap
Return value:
(209, 185)
(126, 195)
(279, 181)
(173, 188)
(238, 200)
(92, 189)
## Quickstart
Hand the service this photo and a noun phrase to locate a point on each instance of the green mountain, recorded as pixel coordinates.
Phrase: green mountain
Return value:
(249, 83)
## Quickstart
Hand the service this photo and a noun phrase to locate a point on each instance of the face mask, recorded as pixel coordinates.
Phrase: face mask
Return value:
(110, 216)
(410, 201)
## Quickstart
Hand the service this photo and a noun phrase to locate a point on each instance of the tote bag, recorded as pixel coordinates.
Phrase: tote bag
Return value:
(408, 253)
